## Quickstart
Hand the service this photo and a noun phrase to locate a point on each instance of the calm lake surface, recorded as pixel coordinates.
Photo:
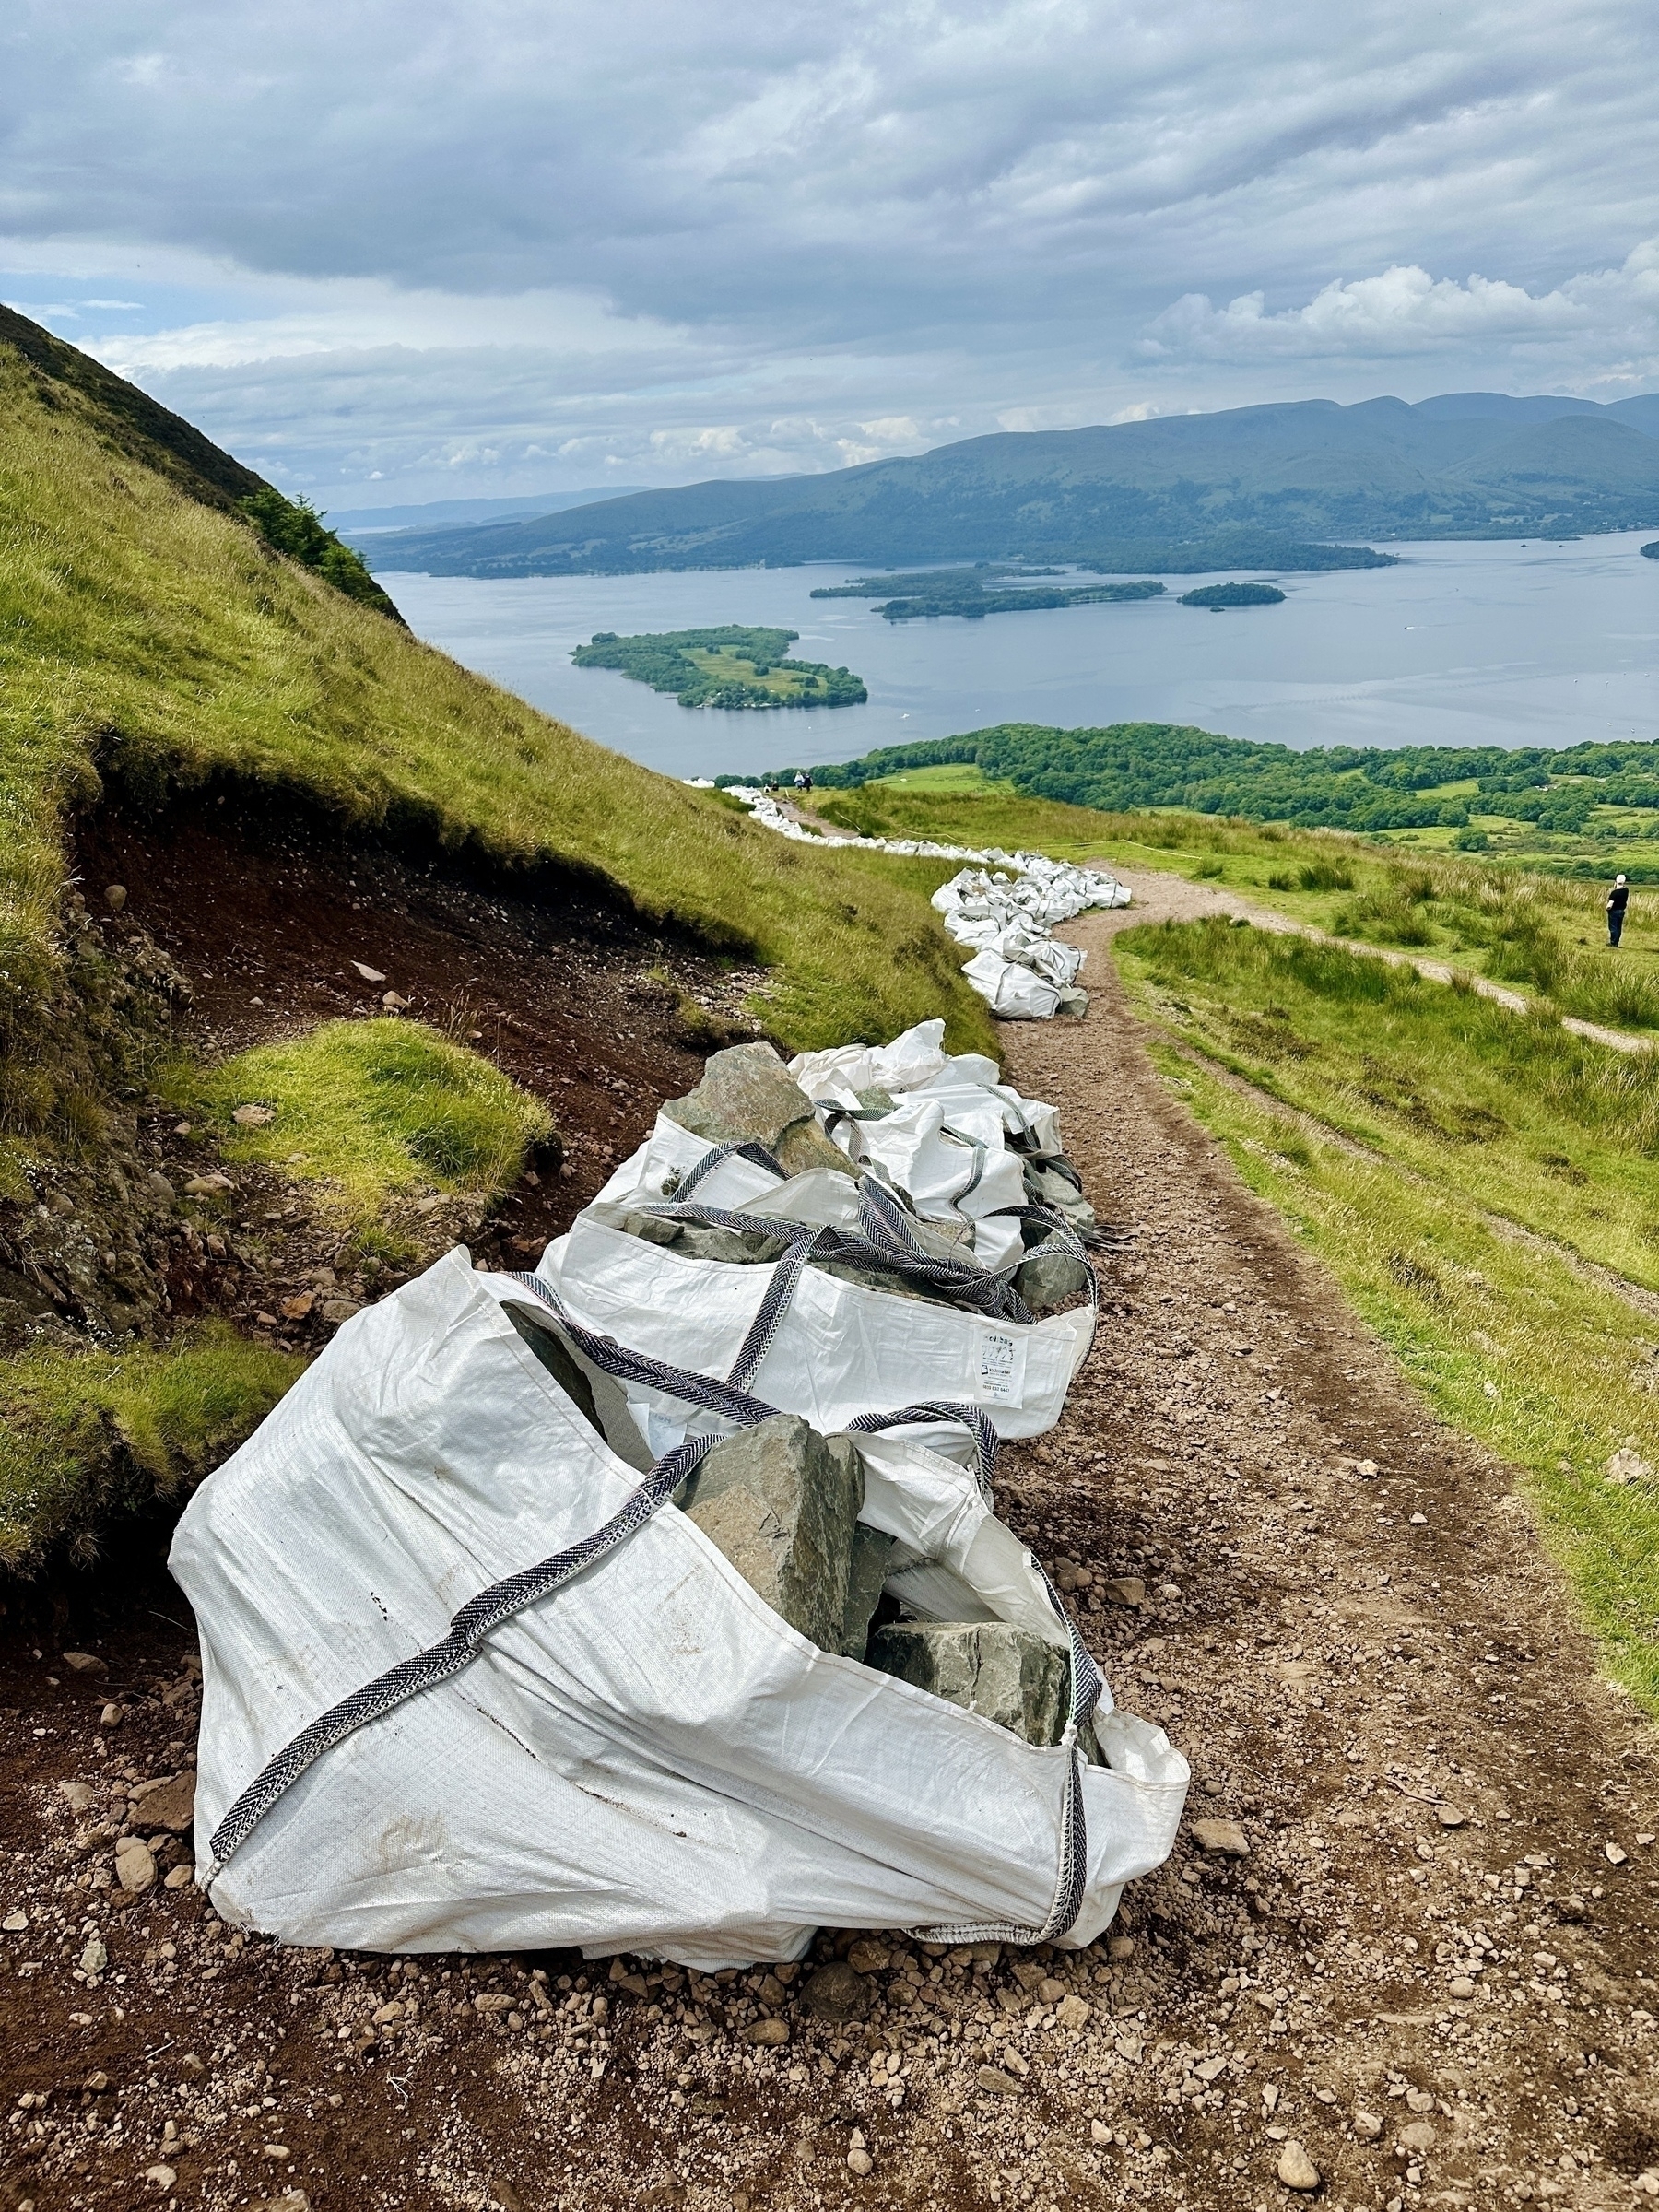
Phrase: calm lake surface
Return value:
(1461, 644)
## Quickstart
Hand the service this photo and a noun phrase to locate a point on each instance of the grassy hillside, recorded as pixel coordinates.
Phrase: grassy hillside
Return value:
(1482, 1185)
(148, 633)
(169, 623)
(1134, 495)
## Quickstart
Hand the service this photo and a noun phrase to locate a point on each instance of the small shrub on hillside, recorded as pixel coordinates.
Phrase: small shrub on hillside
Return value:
(1389, 916)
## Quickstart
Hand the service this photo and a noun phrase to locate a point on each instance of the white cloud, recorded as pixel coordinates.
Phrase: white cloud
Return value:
(363, 239)
(1405, 313)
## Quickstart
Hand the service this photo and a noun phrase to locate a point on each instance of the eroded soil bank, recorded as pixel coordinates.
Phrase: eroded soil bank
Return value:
(1430, 1970)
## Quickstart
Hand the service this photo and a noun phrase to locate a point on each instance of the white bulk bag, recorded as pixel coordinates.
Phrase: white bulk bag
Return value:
(951, 1167)
(837, 1350)
(1015, 993)
(648, 1759)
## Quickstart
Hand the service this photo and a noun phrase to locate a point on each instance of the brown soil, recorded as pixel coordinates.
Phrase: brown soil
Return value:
(592, 1013)
(1444, 1920)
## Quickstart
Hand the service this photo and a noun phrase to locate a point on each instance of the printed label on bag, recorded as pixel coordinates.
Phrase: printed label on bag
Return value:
(1002, 1368)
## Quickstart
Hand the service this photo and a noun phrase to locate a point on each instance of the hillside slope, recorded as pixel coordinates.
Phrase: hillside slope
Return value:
(151, 638)
(1133, 494)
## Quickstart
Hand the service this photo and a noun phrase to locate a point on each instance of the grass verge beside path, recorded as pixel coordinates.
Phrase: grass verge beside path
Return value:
(1542, 934)
(1548, 1365)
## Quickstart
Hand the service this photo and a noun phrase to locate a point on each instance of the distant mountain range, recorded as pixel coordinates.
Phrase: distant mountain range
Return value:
(1248, 487)
(461, 514)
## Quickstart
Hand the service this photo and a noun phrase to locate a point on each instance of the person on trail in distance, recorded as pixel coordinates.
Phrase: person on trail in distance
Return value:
(1619, 898)
(801, 782)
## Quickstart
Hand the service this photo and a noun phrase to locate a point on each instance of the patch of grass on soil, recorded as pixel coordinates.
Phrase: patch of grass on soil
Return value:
(372, 1111)
(87, 1436)
(1472, 1119)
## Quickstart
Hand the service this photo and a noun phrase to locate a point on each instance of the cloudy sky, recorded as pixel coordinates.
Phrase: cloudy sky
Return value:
(457, 247)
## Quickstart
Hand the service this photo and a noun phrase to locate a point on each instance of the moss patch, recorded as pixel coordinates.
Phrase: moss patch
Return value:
(373, 1111)
(87, 1436)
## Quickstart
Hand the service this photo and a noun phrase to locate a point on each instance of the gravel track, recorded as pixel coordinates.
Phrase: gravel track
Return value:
(1430, 1969)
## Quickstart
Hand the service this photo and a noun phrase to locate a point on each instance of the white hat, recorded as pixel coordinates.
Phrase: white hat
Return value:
(1618, 878)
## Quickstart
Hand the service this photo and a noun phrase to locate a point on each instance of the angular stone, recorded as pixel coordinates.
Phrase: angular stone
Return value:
(766, 2031)
(1005, 1674)
(837, 1991)
(135, 1866)
(1420, 2136)
(1073, 2011)
(865, 1575)
(1048, 1184)
(1125, 1590)
(748, 1095)
(1226, 1838)
(998, 2083)
(169, 1804)
(1048, 1282)
(85, 1663)
(782, 1502)
(691, 1239)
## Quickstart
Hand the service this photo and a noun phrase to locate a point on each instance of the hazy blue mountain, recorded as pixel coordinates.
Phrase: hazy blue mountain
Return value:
(1245, 487)
(456, 514)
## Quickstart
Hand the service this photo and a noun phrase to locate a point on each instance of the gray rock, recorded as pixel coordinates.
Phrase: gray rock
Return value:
(837, 1993)
(691, 1239)
(748, 1094)
(1074, 1002)
(156, 1185)
(1048, 1282)
(868, 1571)
(782, 1502)
(1047, 1184)
(1007, 1674)
(115, 897)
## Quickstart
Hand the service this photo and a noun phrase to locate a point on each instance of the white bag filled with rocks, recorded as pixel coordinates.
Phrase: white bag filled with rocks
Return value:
(473, 1680)
(1007, 915)
(1024, 972)
(678, 1257)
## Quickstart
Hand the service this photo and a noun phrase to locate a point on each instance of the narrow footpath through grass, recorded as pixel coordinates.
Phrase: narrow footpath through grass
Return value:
(1478, 1182)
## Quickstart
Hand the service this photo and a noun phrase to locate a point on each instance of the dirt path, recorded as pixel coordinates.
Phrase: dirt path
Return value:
(1430, 1969)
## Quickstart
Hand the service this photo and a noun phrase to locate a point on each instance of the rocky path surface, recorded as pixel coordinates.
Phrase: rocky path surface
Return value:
(1401, 1956)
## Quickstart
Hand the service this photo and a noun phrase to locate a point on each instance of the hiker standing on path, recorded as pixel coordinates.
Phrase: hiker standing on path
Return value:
(1618, 899)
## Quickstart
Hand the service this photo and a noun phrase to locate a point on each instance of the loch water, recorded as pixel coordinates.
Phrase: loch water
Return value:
(1493, 643)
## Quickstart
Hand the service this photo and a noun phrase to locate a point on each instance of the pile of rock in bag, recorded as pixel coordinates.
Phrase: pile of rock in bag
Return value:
(655, 1601)
(780, 1500)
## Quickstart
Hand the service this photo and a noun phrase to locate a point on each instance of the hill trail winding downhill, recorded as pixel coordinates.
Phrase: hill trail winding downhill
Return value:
(1415, 1941)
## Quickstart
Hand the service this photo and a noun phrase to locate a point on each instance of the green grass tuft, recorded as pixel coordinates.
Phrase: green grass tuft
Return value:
(373, 1111)
(87, 1436)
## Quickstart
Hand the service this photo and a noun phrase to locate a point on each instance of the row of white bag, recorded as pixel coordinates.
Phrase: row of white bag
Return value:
(651, 1760)
(841, 1350)
(1018, 967)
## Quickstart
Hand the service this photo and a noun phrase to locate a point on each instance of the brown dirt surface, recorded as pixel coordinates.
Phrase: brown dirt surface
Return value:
(1431, 1970)
(593, 1014)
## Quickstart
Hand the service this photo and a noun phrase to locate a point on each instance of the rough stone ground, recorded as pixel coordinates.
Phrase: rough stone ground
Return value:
(1432, 1970)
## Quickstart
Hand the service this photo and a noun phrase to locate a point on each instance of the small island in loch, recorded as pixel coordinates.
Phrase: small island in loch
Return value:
(1218, 597)
(730, 666)
(981, 590)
